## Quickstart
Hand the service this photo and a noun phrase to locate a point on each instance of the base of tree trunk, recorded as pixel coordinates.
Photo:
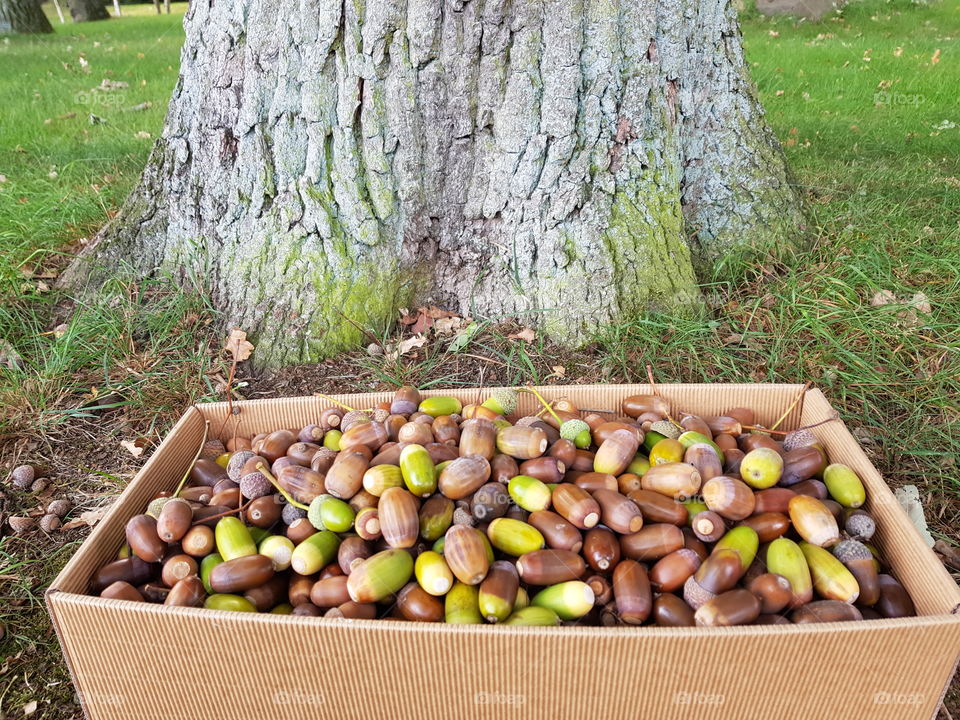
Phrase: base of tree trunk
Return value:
(23, 17)
(568, 163)
(87, 10)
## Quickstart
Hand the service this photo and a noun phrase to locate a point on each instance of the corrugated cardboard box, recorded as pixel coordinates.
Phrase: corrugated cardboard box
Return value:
(133, 660)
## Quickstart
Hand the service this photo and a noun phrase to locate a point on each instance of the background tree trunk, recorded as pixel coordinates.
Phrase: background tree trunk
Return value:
(575, 157)
(22, 16)
(86, 10)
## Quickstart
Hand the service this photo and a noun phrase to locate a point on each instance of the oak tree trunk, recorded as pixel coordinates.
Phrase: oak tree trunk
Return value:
(569, 160)
(85, 10)
(22, 16)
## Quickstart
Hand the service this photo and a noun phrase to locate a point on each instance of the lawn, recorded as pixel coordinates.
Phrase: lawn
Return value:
(864, 102)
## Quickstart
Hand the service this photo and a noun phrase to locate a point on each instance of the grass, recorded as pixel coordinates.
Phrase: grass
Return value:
(864, 103)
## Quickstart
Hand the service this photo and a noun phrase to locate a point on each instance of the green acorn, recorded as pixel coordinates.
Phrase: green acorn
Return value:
(329, 513)
(577, 432)
(503, 401)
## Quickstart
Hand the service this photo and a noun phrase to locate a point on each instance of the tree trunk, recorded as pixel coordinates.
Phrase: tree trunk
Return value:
(86, 10)
(568, 160)
(22, 16)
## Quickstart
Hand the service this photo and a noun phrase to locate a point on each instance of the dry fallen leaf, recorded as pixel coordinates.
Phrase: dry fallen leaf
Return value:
(450, 325)
(935, 58)
(30, 708)
(134, 447)
(898, 51)
(559, 370)
(527, 335)
(883, 297)
(238, 345)
(405, 346)
(88, 518)
(922, 303)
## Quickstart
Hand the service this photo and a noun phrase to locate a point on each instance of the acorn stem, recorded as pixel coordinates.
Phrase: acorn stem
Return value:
(231, 511)
(656, 393)
(273, 481)
(335, 401)
(203, 441)
(546, 405)
(806, 386)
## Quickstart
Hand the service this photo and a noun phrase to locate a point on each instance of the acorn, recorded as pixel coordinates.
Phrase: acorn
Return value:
(279, 549)
(143, 539)
(329, 513)
(675, 480)
(440, 405)
(132, 570)
(330, 591)
(671, 611)
(302, 452)
(242, 573)
(825, 611)
(490, 501)
(708, 526)
(591, 481)
(121, 590)
(291, 513)
(569, 600)
(399, 517)
(255, 485)
(367, 524)
(577, 432)
(503, 468)
(672, 570)
(433, 573)
(513, 537)
(860, 525)
(529, 493)
(464, 476)
(743, 540)
(416, 433)
(557, 532)
(775, 499)
(716, 575)
(636, 405)
(436, 515)
(576, 505)
(415, 604)
(269, 595)
(176, 568)
(616, 452)
(844, 485)
(461, 605)
(276, 444)
(801, 464)
(734, 607)
(813, 521)
(523, 443)
(533, 616)
(405, 400)
(858, 559)
(652, 542)
(798, 439)
(502, 401)
(894, 601)
(315, 552)
(811, 488)
(768, 526)
(545, 468)
(233, 538)
(345, 476)
(380, 576)
(691, 438)
(601, 548)
(348, 419)
(228, 601)
(761, 468)
(49, 522)
(418, 470)
(631, 592)
(465, 551)
(549, 566)
(198, 541)
(498, 591)
(22, 476)
(618, 512)
(59, 507)
(728, 497)
(478, 437)
(669, 450)
(658, 508)
(785, 557)
(772, 590)
(304, 484)
(705, 459)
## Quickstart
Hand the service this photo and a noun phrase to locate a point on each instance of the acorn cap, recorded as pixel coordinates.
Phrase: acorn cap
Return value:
(236, 463)
(571, 428)
(49, 522)
(848, 550)
(527, 421)
(313, 514)
(506, 399)
(291, 513)
(254, 485)
(666, 428)
(798, 439)
(59, 507)
(156, 505)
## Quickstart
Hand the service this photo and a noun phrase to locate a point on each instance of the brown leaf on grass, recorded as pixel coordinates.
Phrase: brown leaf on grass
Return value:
(882, 297)
(134, 447)
(921, 303)
(450, 325)
(88, 518)
(238, 345)
(527, 335)
(405, 346)
(9, 357)
(935, 58)
(559, 370)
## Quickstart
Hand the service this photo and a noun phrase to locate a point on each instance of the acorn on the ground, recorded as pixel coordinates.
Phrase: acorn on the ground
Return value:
(22, 476)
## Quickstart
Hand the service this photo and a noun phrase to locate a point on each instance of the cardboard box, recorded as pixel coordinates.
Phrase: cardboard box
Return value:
(133, 660)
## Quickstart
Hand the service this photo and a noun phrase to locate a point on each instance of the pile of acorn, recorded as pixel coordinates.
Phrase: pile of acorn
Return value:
(421, 509)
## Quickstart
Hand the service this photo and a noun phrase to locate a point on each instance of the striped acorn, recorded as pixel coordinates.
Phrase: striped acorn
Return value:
(522, 442)
(675, 480)
(478, 437)
(380, 576)
(569, 600)
(576, 505)
(514, 537)
(465, 551)
(618, 512)
(831, 579)
(616, 452)
(399, 517)
(464, 476)
(549, 566)
(418, 470)
(785, 557)
(498, 591)
(813, 521)
(728, 497)
(380, 477)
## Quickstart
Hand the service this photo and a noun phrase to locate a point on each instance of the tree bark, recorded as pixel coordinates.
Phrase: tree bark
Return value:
(86, 10)
(22, 16)
(568, 160)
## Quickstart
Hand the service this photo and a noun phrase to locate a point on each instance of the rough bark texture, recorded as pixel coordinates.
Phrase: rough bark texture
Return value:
(85, 10)
(22, 16)
(572, 157)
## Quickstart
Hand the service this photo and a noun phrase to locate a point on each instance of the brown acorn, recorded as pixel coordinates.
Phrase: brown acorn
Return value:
(582, 461)
(371, 434)
(143, 539)
(631, 591)
(399, 517)
(188, 592)
(549, 567)
(705, 459)
(768, 526)
(858, 559)
(345, 476)
(302, 452)
(445, 430)
(734, 607)
(695, 423)
(894, 601)
(775, 499)
(330, 592)
(563, 450)
(591, 481)
(465, 551)
(729, 497)
(503, 468)
(267, 596)
(670, 611)
(652, 542)
(708, 526)
(298, 591)
(489, 502)
(672, 570)
(198, 542)
(601, 549)
(675, 480)
(825, 611)
(242, 573)
(176, 568)
(658, 508)
(773, 591)
(353, 611)
(576, 505)
(302, 483)
(546, 469)
(636, 405)
(618, 512)
(264, 512)
(275, 445)
(352, 551)
(616, 452)
(174, 520)
(131, 570)
(416, 433)
(406, 400)
(478, 437)
(602, 432)
(557, 532)
(602, 589)
(802, 464)
(464, 476)
(415, 603)
(207, 472)
(122, 590)
(498, 591)
(523, 443)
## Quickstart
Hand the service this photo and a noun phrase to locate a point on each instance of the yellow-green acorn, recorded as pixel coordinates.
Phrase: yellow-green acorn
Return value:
(529, 493)
(514, 537)
(440, 405)
(570, 600)
(226, 601)
(533, 615)
(844, 485)
(461, 605)
(233, 538)
(380, 575)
